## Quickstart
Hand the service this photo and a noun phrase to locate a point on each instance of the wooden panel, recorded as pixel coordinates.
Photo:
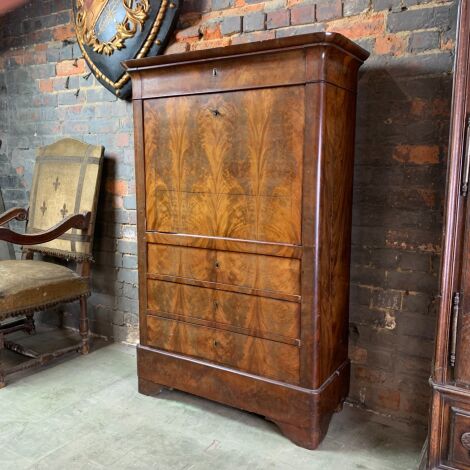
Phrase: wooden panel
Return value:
(307, 411)
(335, 229)
(227, 165)
(256, 315)
(462, 366)
(259, 356)
(226, 244)
(459, 445)
(447, 426)
(220, 75)
(269, 273)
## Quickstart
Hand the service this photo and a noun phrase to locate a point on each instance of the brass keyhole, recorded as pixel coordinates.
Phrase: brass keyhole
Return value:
(216, 343)
(214, 72)
(217, 264)
(215, 112)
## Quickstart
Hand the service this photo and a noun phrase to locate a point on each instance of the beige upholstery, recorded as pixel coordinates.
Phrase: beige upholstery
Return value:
(65, 182)
(27, 285)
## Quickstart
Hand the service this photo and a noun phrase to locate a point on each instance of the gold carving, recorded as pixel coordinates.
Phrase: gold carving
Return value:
(85, 21)
(143, 52)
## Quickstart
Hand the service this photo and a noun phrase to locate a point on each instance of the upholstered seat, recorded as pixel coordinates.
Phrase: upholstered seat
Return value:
(27, 286)
(59, 224)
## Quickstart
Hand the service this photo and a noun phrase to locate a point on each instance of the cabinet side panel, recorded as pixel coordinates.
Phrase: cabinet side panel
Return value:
(334, 229)
(140, 195)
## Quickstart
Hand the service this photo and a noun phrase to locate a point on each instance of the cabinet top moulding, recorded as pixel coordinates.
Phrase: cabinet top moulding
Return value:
(309, 58)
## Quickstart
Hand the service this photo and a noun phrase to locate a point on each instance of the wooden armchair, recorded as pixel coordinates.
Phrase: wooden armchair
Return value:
(60, 223)
(6, 249)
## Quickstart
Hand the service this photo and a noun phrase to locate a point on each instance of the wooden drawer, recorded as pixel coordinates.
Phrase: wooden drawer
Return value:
(258, 356)
(219, 75)
(459, 436)
(242, 272)
(249, 314)
(227, 165)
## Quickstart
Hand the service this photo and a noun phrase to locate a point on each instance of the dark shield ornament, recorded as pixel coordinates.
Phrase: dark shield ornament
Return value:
(112, 31)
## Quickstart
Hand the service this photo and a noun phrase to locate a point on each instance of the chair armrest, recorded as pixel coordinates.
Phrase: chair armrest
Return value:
(79, 221)
(17, 213)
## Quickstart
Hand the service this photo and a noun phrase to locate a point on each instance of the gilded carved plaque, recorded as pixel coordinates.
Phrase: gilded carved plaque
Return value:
(111, 31)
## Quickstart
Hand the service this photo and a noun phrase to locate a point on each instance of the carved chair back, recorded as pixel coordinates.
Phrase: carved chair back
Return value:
(65, 181)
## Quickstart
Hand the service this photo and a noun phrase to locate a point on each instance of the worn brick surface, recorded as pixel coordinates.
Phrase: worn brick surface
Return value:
(254, 22)
(401, 141)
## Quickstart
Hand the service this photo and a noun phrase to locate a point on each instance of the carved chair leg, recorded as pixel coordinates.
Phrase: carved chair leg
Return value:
(85, 346)
(30, 325)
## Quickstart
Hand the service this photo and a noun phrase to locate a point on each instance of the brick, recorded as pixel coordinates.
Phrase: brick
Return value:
(277, 19)
(209, 44)
(117, 187)
(358, 355)
(188, 34)
(63, 33)
(129, 261)
(221, 4)
(212, 31)
(411, 281)
(424, 41)
(70, 97)
(390, 5)
(70, 67)
(360, 27)
(417, 154)
(418, 302)
(231, 25)
(390, 44)
(256, 36)
(127, 247)
(99, 95)
(354, 7)
(388, 399)
(420, 326)
(297, 30)
(372, 376)
(128, 275)
(302, 14)
(328, 9)
(389, 299)
(422, 18)
(45, 85)
(254, 22)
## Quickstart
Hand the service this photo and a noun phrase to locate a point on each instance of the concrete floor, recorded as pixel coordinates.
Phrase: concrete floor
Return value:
(85, 413)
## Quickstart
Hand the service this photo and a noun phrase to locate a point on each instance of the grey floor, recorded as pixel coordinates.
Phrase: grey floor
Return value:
(85, 413)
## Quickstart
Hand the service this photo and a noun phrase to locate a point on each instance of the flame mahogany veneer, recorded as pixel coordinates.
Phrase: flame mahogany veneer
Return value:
(244, 166)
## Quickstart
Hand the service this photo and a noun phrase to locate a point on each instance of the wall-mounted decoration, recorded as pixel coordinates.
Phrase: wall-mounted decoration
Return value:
(111, 31)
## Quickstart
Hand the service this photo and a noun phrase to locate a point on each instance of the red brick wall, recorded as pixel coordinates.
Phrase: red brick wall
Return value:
(402, 132)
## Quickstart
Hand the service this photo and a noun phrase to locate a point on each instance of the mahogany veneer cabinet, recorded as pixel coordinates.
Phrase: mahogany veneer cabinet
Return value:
(244, 166)
(449, 430)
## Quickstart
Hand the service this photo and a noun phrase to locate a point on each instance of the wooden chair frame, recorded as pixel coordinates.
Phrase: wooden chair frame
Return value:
(77, 221)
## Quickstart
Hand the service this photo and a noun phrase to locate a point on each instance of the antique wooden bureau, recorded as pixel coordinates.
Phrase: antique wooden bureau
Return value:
(244, 164)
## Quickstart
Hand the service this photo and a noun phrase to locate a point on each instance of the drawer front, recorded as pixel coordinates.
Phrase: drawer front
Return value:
(459, 437)
(257, 315)
(258, 356)
(219, 75)
(270, 274)
(226, 165)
